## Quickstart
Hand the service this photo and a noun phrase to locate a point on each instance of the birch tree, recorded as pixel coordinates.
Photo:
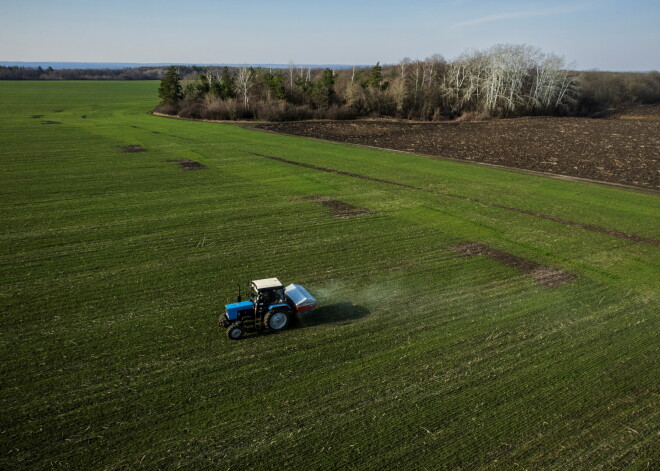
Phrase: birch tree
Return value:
(244, 82)
(402, 87)
(292, 72)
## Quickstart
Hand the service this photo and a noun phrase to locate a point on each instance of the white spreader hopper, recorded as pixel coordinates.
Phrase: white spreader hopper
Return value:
(300, 297)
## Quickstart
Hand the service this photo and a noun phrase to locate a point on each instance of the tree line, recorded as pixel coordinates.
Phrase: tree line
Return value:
(503, 81)
(48, 73)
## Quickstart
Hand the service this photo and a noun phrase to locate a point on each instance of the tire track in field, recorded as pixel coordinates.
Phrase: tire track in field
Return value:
(566, 222)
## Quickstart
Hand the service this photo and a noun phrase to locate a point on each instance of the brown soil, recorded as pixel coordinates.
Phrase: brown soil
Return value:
(50, 122)
(624, 149)
(544, 275)
(185, 164)
(132, 149)
(567, 222)
(339, 208)
(37, 116)
(57, 111)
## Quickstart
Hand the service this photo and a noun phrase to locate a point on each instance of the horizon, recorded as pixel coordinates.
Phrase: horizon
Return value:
(118, 65)
(86, 65)
(589, 34)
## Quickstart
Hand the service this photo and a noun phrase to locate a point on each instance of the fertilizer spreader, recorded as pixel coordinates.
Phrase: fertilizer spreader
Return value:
(271, 307)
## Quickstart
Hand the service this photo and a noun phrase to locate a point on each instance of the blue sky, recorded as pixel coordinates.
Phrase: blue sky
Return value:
(604, 34)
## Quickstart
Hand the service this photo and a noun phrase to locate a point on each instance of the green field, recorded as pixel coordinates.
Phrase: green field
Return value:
(115, 267)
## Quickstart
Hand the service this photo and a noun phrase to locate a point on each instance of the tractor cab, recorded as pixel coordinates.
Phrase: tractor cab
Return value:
(267, 292)
(270, 307)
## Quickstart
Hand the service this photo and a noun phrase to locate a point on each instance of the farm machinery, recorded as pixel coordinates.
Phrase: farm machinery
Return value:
(270, 307)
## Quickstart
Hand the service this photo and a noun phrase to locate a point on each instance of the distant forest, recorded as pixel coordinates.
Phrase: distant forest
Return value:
(39, 73)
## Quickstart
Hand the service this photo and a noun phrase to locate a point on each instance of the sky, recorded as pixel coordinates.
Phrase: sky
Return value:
(589, 34)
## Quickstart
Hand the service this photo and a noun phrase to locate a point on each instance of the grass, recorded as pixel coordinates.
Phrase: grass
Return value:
(115, 268)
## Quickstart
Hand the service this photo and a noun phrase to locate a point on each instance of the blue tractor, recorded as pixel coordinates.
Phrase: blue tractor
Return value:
(271, 307)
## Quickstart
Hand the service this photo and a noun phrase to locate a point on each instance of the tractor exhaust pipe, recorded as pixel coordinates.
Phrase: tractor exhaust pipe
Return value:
(238, 298)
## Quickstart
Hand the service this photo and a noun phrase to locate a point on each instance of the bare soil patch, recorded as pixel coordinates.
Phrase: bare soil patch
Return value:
(37, 116)
(624, 149)
(132, 149)
(338, 208)
(566, 222)
(51, 122)
(185, 164)
(57, 111)
(542, 274)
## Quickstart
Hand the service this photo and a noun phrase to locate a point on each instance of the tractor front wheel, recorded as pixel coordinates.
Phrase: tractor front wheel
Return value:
(277, 320)
(235, 331)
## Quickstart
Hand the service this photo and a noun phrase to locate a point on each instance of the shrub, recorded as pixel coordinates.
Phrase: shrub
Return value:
(219, 110)
(339, 112)
(167, 108)
(193, 110)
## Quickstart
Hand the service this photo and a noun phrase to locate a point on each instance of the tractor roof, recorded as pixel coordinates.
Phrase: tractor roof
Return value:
(267, 283)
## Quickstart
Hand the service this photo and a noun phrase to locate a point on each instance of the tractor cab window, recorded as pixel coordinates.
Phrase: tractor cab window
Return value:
(271, 296)
(254, 295)
(278, 295)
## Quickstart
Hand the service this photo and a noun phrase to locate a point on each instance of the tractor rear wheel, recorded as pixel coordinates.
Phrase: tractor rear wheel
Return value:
(277, 320)
(235, 331)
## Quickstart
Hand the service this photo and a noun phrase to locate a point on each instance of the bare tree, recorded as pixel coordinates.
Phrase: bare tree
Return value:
(417, 78)
(401, 88)
(508, 79)
(244, 82)
(292, 71)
